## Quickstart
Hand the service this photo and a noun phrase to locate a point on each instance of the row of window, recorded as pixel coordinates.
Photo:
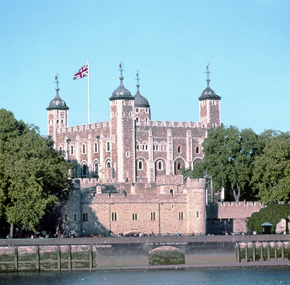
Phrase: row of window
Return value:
(159, 165)
(134, 216)
(57, 121)
(138, 147)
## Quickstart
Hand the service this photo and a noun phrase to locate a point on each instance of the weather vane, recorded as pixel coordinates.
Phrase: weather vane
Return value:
(207, 70)
(56, 80)
(137, 77)
(121, 68)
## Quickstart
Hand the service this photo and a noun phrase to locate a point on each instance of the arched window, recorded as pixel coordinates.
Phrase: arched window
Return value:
(71, 149)
(96, 169)
(137, 147)
(84, 170)
(178, 166)
(137, 120)
(96, 147)
(160, 165)
(84, 148)
(197, 149)
(60, 149)
(108, 147)
(179, 149)
(171, 192)
(140, 165)
(108, 164)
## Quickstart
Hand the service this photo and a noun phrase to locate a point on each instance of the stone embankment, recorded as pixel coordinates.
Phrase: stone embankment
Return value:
(143, 252)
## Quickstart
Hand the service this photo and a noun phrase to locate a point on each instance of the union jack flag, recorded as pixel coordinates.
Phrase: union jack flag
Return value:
(83, 72)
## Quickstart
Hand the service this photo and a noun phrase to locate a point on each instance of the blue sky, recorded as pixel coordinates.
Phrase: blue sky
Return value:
(246, 43)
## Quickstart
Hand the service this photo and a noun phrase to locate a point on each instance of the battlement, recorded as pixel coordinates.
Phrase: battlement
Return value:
(84, 127)
(232, 210)
(173, 124)
(195, 183)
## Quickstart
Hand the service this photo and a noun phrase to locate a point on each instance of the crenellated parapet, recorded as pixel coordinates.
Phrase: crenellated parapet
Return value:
(84, 127)
(174, 124)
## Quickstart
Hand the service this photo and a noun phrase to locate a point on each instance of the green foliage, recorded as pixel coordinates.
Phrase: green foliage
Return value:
(228, 158)
(272, 214)
(271, 175)
(33, 175)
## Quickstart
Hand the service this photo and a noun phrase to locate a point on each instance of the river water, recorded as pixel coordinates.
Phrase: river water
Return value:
(224, 276)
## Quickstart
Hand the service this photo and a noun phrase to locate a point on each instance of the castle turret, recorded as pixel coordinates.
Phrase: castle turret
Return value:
(57, 113)
(142, 107)
(209, 105)
(122, 133)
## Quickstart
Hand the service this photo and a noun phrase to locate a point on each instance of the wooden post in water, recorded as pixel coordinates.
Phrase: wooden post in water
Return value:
(16, 258)
(69, 257)
(91, 256)
(58, 258)
(37, 259)
(238, 252)
(268, 251)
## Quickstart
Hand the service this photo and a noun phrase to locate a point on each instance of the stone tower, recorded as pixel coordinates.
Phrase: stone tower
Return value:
(209, 106)
(122, 134)
(142, 107)
(57, 113)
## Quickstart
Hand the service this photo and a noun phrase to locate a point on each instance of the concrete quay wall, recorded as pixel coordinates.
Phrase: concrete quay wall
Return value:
(125, 252)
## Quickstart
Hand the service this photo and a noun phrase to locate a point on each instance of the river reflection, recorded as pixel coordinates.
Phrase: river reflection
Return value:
(250, 275)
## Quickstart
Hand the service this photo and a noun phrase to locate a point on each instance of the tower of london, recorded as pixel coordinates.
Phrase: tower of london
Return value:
(127, 170)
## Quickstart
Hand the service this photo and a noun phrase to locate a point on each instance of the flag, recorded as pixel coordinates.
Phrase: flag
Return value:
(83, 72)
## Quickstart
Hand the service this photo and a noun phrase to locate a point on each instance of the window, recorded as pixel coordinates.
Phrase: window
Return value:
(96, 169)
(60, 149)
(85, 217)
(62, 121)
(108, 147)
(140, 165)
(48, 121)
(127, 154)
(114, 216)
(96, 147)
(137, 110)
(84, 170)
(75, 217)
(65, 217)
(180, 216)
(84, 149)
(71, 149)
(171, 192)
(178, 166)
(152, 216)
(179, 149)
(197, 214)
(134, 217)
(159, 165)
(197, 149)
(137, 147)
(108, 164)
(137, 120)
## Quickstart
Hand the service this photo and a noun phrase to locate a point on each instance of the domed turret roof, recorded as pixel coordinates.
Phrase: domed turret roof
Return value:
(139, 100)
(57, 103)
(208, 93)
(121, 92)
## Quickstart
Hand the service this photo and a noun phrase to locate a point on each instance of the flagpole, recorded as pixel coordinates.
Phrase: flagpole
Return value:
(88, 92)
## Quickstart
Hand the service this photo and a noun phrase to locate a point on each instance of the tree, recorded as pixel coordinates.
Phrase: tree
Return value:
(33, 176)
(272, 214)
(228, 158)
(271, 176)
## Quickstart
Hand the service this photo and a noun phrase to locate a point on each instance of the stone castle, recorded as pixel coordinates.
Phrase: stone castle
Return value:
(127, 175)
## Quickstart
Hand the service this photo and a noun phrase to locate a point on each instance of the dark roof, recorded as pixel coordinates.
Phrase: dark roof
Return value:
(121, 92)
(208, 93)
(57, 103)
(139, 100)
